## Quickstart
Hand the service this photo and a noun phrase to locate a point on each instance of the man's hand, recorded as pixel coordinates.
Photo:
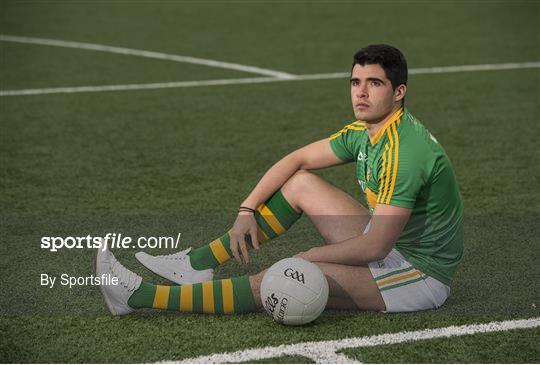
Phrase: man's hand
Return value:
(245, 224)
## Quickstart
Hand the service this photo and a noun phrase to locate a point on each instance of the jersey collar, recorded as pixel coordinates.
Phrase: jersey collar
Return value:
(393, 118)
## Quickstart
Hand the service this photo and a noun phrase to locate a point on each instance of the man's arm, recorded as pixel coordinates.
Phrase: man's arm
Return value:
(316, 155)
(386, 225)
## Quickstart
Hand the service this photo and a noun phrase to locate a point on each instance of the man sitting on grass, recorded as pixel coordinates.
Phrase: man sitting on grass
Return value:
(397, 255)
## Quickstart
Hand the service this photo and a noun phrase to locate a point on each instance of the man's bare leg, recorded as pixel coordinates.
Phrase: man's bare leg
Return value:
(337, 217)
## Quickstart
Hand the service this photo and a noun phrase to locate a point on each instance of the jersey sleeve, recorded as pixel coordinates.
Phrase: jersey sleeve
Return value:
(345, 143)
(404, 172)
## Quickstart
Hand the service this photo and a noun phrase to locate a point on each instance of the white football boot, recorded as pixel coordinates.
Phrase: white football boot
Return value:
(175, 267)
(116, 296)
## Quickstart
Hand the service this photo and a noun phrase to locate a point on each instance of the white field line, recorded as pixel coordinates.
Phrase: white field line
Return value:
(147, 54)
(326, 351)
(260, 80)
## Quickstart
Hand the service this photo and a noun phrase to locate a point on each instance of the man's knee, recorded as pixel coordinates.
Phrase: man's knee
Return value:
(354, 283)
(298, 183)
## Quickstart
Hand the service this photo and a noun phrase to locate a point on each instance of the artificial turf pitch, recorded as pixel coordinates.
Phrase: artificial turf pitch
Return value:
(182, 159)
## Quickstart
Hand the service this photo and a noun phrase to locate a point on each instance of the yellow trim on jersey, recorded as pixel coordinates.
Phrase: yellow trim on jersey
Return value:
(271, 219)
(186, 298)
(356, 126)
(393, 118)
(161, 298)
(371, 198)
(388, 177)
(382, 177)
(396, 163)
(219, 251)
(386, 170)
(228, 297)
(208, 297)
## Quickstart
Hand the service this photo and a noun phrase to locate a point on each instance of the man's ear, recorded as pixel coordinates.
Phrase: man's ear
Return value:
(400, 92)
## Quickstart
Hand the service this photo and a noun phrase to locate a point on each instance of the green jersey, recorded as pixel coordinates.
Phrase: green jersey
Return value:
(405, 166)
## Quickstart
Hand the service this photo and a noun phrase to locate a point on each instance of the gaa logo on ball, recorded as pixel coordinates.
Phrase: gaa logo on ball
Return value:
(294, 291)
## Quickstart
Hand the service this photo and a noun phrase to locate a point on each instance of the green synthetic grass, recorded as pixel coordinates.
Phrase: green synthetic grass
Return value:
(518, 346)
(298, 37)
(75, 67)
(181, 160)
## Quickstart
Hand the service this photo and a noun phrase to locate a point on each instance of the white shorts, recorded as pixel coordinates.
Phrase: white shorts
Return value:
(405, 288)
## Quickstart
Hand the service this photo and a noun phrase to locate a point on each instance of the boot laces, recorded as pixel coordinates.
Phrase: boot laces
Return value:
(126, 278)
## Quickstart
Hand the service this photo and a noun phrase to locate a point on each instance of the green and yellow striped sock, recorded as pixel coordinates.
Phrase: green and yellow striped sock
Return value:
(225, 296)
(274, 217)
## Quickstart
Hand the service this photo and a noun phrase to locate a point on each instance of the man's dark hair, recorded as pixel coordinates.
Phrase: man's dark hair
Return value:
(389, 58)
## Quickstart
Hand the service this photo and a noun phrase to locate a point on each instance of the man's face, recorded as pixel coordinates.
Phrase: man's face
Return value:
(372, 95)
